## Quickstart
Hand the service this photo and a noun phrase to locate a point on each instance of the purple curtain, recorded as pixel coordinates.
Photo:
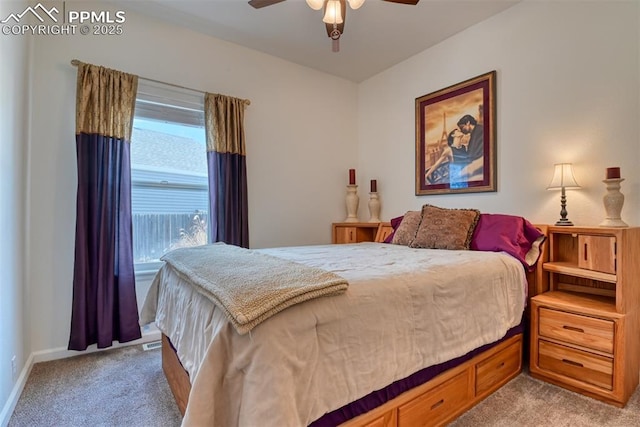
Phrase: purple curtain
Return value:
(227, 168)
(104, 307)
(228, 198)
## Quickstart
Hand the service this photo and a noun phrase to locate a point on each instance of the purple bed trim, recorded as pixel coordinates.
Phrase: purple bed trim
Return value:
(378, 397)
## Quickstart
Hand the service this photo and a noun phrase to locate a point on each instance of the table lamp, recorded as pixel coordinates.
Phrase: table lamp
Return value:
(563, 179)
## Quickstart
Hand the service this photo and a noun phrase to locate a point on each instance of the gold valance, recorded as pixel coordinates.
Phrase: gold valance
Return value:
(105, 101)
(224, 118)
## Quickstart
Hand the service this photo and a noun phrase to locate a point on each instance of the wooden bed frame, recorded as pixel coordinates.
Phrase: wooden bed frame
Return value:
(436, 402)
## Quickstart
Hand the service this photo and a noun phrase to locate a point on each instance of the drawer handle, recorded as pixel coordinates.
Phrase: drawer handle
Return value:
(573, 328)
(500, 365)
(438, 403)
(571, 362)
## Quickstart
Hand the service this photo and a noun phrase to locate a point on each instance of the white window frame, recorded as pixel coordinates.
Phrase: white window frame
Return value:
(172, 104)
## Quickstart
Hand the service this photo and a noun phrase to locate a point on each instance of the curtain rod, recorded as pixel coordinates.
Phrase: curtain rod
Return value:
(76, 62)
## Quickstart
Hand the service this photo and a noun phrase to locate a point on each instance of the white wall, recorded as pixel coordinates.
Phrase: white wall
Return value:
(567, 91)
(296, 169)
(13, 140)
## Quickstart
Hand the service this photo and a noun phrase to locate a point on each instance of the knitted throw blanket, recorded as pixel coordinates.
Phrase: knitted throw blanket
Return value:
(250, 286)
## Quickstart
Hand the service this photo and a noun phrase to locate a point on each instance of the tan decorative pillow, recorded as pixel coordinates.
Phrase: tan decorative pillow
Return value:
(407, 229)
(443, 228)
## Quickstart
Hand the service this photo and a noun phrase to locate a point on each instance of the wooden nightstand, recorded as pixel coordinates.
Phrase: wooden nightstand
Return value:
(585, 332)
(356, 232)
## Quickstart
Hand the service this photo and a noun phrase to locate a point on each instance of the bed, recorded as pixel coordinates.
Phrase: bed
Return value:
(395, 347)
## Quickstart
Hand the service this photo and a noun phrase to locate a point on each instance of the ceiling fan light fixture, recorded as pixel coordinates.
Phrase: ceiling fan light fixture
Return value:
(355, 4)
(315, 4)
(333, 13)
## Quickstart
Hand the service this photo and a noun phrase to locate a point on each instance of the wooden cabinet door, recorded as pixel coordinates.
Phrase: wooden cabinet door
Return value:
(597, 253)
(346, 235)
(384, 230)
(354, 232)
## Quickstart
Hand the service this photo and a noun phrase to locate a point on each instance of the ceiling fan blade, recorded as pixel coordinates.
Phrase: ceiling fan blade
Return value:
(412, 2)
(329, 27)
(262, 3)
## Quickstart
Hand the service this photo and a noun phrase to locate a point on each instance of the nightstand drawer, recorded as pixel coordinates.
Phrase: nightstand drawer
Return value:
(575, 329)
(498, 368)
(580, 365)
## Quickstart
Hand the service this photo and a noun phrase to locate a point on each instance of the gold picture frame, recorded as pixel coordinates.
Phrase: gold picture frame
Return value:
(456, 138)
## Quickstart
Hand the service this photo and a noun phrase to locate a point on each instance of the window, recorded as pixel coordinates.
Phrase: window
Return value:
(169, 186)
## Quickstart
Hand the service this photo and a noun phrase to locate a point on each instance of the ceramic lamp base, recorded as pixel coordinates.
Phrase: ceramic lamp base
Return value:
(352, 202)
(613, 223)
(613, 201)
(374, 207)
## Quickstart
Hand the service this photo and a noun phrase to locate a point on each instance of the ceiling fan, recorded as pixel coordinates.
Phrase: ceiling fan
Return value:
(334, 13)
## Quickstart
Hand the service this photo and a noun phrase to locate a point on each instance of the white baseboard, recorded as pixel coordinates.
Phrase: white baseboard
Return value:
(5, 415)
(149, 334)
(63, 352)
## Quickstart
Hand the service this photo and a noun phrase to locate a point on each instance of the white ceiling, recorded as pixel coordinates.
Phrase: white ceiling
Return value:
(376, 36)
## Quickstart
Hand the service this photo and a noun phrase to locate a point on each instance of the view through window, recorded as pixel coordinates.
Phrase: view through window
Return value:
(169, 184)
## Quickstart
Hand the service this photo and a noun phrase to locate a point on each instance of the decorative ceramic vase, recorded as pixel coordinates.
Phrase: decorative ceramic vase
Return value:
(374, 207)
(613, 201)
(352, 201)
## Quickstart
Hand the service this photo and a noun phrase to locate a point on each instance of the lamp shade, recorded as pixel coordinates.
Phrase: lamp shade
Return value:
(333, 13)
(315, 4)
(563, 177)
(355, 4)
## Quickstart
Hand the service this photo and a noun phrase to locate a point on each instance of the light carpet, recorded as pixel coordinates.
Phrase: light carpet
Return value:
(526, 401)
(120, 387)
(126, 387)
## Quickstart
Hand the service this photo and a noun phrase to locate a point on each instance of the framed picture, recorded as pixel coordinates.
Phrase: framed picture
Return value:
(456, 138)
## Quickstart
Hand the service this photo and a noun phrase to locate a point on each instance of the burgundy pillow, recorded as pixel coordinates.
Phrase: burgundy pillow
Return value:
(508, 233)
(395, 223)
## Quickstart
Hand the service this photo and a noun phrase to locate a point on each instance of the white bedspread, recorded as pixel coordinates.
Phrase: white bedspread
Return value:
(405, 309)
